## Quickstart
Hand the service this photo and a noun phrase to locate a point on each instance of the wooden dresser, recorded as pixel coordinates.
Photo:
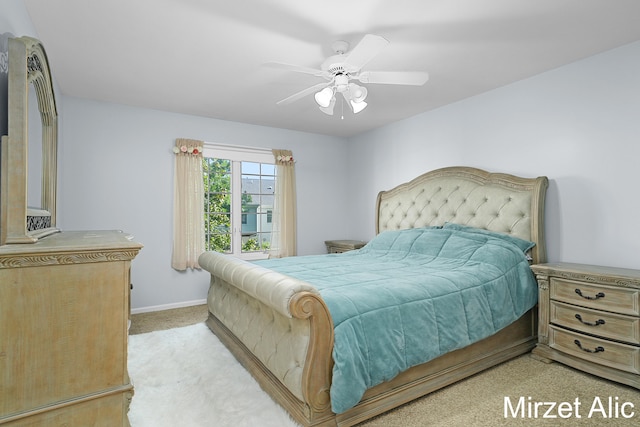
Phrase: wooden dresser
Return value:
(590, 319)
(63, 330)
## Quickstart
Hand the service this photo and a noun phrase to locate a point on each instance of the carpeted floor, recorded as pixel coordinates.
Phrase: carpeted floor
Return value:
(167, 319)
(481, 399)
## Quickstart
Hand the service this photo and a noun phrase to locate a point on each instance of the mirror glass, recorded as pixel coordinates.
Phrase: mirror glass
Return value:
(34, 156)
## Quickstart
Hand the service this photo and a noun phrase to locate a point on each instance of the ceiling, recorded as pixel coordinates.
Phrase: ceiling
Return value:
(206, 58)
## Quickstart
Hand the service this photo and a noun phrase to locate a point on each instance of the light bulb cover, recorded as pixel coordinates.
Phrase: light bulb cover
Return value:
(329, 109)
(358, 106)
(358, 93)
(323, 98)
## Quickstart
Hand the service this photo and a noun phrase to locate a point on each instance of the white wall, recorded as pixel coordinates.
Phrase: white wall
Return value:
(14, 22)
(15, 19)
(117, 173)
(579, 125)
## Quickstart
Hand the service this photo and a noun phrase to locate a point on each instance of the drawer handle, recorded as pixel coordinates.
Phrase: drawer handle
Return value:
(596, 350)
(596, 323)
(598, 295)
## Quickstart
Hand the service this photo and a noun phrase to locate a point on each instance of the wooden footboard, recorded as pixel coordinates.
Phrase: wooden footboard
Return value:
(279, 329)
(315, 409)
(516, 339)
(289, 352)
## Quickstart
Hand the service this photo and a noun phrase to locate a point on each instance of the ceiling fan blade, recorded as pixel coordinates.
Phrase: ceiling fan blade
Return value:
(298, 69)
(413, 78)
(365, 51)
(302, 93)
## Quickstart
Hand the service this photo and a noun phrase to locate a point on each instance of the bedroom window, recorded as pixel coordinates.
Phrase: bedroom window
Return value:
(239, 185)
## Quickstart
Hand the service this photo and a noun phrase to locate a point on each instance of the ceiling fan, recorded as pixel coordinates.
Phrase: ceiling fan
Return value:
(341, 69)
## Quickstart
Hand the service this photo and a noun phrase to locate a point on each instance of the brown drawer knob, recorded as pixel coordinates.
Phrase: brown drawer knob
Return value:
(596, 350)
(598, 295)
(596, 323)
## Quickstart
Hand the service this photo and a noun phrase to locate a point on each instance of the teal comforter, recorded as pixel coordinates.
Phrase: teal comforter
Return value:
(410, 296)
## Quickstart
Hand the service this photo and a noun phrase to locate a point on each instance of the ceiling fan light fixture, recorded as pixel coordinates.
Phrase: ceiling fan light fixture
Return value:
(358, 93)
(329, 109)
(324, 97)
(358, 106)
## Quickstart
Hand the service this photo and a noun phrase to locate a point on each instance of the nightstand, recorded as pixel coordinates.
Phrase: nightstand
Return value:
(338, 246)
(589, 319)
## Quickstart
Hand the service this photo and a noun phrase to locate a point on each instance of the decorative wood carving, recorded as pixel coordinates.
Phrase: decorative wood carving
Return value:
(76, 258)
(607, 275)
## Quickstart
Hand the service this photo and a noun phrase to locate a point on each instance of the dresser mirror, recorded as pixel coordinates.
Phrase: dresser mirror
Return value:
(34, 153)
(28, 172)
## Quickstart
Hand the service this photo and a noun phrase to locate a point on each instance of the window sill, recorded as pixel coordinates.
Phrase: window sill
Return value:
(253, 256)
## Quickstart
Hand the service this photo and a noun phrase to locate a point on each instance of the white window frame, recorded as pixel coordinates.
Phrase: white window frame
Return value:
(238, 154)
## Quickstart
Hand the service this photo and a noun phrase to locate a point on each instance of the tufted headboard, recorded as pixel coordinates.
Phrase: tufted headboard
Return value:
(468, 196)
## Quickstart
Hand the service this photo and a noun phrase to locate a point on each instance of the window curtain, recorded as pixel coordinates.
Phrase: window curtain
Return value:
(283, 238)
(188, 205)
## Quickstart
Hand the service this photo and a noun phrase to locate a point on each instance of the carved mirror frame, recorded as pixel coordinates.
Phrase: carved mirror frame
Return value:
(28, 65)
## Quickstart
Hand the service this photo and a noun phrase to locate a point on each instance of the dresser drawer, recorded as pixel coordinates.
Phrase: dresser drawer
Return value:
(602, 297)
(615, 355)
(609, 325)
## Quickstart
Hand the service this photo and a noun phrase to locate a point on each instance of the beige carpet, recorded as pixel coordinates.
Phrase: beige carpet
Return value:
(480, 400)
(167, 319)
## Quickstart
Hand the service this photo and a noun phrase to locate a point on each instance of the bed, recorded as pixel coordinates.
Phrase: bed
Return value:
(285, 321)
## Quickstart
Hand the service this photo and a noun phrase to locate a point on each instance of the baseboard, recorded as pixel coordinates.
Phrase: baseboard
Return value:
(168, 306)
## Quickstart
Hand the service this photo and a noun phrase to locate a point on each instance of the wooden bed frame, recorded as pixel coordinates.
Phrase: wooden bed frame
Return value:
(284, 337)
